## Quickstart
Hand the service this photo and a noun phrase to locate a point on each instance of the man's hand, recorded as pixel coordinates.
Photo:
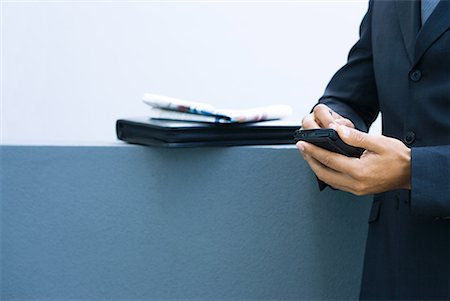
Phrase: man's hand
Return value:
(385, 165)
(322, 117)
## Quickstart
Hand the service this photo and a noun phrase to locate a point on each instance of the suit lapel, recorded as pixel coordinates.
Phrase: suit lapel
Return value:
(436, 25)
(409, 18)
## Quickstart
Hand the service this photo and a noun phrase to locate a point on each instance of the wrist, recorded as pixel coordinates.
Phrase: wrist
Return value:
(406, 162)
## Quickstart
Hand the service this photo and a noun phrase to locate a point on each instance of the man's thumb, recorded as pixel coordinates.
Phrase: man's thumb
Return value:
(357, 138)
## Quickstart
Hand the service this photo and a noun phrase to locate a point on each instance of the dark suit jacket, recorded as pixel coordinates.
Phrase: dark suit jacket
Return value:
(402, 69)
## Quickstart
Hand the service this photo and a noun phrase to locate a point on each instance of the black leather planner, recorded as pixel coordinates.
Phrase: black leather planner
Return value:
(169, 133)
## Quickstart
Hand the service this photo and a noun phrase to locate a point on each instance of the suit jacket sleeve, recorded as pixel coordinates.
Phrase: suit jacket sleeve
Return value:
(430, 193)
(352, 91)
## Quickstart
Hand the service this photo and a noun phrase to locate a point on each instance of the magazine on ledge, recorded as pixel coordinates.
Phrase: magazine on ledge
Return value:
(164, 107)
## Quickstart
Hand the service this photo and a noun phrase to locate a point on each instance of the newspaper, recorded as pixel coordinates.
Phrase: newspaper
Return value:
(273, 112)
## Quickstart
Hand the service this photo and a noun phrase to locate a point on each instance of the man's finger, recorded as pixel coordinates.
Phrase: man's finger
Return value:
(332, 160)
(360, 139)
(344, 121)
(308, 123)
(323, 115)
(331, 177)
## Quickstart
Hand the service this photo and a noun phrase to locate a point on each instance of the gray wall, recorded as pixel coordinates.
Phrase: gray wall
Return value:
(129, 222)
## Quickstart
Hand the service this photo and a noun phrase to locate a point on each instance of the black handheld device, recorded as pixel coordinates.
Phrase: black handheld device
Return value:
(328, 139)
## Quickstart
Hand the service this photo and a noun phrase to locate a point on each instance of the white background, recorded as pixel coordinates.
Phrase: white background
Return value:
(71, 68)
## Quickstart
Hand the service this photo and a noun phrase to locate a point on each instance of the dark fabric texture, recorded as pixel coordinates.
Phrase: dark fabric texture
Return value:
(402, 70)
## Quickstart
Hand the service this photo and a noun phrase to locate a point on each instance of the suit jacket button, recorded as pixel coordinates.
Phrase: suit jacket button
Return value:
(415, 75)
(410, 137)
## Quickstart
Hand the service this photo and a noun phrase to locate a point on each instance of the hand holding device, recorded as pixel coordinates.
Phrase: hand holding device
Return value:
(384, 166)
(328, 139)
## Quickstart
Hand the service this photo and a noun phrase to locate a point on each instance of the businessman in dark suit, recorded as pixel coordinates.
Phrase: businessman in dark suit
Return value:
(400, 67)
